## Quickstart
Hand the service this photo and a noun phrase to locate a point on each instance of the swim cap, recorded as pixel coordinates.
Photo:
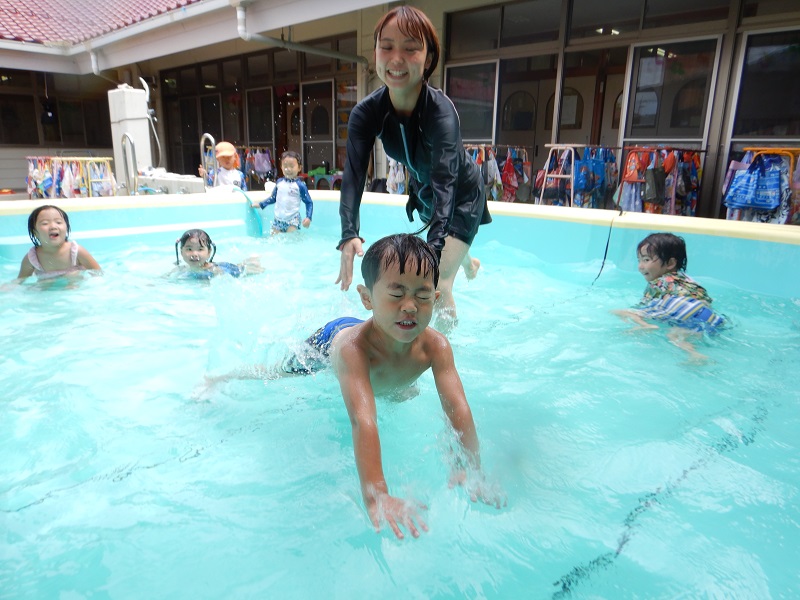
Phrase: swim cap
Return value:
(225, 149)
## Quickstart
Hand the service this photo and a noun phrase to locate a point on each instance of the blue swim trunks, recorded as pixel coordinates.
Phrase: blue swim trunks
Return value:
(283, 226)
(315, 357)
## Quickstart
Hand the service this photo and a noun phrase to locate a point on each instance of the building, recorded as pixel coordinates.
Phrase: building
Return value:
(716, 75)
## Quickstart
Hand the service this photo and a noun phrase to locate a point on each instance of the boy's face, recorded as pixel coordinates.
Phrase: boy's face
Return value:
(401, 304)
(651, 267)
(227, 162)
(290, 167)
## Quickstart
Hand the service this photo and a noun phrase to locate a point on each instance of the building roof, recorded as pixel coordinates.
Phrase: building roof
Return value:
(70, 22)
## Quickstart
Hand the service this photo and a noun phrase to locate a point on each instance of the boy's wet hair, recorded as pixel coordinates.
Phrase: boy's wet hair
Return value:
(35, 215)
(404, 249)
(202, 238)
(415, 24)
(665, 246)
(294, 155)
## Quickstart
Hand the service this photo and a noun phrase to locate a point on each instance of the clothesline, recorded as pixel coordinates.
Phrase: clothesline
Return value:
(70, 176)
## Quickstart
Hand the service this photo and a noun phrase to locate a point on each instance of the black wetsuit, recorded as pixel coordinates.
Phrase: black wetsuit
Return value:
(446, 187)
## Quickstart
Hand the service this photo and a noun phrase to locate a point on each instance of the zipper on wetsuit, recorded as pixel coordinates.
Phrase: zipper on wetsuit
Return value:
(405, 147)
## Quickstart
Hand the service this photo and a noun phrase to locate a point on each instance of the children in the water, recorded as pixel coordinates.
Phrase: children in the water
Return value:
(671, 296)
(197, 251)
(53, 254)
(386, 353)
(286, 196)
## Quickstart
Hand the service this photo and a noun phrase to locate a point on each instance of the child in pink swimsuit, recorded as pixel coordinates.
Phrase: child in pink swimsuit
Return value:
(53, 254)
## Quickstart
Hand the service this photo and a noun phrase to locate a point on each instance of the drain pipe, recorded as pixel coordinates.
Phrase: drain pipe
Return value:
(96, 68)
(241, 19)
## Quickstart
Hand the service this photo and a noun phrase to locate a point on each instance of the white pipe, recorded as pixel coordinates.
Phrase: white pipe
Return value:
(241, 21)
(96, 67)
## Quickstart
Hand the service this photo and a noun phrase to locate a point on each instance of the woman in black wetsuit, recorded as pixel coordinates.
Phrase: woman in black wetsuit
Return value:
(419, 127)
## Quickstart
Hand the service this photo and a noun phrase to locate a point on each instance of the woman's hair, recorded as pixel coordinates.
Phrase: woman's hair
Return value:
(665, 246)
(415, 24)
(405, 249)
(35, 215)
(202, 238)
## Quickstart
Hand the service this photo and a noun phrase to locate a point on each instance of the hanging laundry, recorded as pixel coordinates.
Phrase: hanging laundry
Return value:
(493, 175)
(509, 180)
(396, 179)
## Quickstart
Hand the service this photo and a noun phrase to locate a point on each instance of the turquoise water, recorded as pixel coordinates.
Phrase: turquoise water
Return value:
(630, 472)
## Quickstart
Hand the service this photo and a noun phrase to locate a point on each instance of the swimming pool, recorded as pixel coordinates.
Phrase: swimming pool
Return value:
(629, 472)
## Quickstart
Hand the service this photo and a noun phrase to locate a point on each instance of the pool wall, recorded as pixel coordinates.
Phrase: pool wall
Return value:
(756, 257)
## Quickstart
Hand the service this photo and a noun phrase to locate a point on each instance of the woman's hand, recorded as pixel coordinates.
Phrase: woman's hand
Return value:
(349, 250)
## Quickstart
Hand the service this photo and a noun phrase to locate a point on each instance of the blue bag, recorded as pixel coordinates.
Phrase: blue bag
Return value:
(757, 187)
(585, 179)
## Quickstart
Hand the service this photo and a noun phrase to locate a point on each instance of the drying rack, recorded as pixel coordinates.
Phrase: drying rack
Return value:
(558, 150)
(91, 169)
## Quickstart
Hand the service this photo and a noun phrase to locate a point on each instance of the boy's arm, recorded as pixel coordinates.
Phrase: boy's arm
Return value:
(306, 198)
(352, 371)
(455, 406)
(453, 399)
(272, 198)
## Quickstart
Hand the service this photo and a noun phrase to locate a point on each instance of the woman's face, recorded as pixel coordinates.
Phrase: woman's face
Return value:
(400, 60)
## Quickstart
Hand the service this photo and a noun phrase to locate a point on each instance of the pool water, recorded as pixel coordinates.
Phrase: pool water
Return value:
(630, 472)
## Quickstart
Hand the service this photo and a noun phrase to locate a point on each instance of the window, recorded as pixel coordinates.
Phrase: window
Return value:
(17, 113)
(664, 13)
(317, 64)
(670, 98)
(530, 22)
(769, 96)
(259, 116)
(473, 31)
(519, 112)
(258, 68)
(471, 88)
(591, 18)
(571, 110)
(285, 65)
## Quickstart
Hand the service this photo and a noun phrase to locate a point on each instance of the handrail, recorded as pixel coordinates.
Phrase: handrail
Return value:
(126, 138)
(207, 136)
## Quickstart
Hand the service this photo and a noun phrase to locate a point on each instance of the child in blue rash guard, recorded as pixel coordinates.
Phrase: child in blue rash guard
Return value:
(286, 196)
(671, 296)
(197, 251)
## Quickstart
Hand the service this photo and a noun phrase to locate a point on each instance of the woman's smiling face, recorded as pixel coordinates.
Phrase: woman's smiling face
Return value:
(400, 60)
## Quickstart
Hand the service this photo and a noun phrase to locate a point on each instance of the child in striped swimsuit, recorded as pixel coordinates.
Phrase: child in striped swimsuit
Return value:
(671, 296)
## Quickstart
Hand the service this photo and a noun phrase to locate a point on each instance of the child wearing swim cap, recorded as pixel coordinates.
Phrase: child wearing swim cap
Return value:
(229, 172)
(671, 296)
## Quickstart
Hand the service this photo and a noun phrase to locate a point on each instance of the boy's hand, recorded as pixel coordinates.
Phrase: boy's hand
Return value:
(396, 512)
(306, 223)
(255, 205)
(479, 489)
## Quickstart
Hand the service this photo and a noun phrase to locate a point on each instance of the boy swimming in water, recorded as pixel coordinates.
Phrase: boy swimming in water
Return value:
(671, 296)
(387, 352)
